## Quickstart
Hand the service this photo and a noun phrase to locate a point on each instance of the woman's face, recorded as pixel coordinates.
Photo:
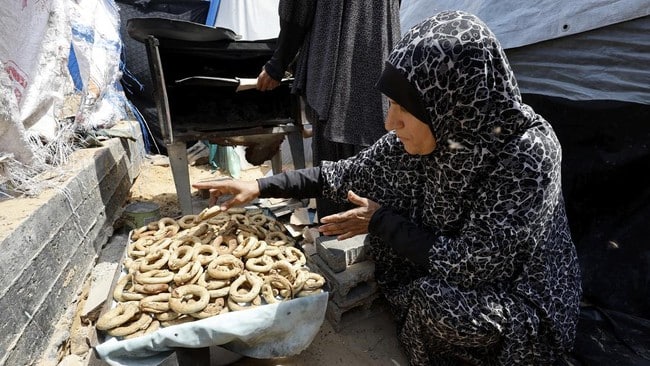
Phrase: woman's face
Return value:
(415, 135)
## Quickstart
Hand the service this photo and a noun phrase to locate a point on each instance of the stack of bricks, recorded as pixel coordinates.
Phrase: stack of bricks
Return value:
(350, 278)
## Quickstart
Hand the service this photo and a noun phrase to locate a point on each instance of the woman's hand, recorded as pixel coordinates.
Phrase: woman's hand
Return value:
(242, 191)
(351, 222)
(266, 82)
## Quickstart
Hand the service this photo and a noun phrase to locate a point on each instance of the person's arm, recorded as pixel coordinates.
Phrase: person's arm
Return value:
(402, 235)
(301, 183)
(296, 18)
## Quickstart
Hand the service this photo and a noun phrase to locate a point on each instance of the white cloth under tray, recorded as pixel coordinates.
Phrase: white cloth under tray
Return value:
(275, 330)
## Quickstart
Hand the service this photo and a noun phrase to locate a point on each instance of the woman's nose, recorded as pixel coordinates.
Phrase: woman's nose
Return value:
(390, 122)
(387, 124)
(393, 122)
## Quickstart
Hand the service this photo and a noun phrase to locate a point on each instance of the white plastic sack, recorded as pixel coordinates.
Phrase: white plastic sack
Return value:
(97, 45)
(34, 48)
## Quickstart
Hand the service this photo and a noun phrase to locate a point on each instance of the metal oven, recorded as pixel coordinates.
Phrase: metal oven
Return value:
(197, 72)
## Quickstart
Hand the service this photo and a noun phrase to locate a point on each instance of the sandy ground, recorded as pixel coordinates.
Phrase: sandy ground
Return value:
(369, 341)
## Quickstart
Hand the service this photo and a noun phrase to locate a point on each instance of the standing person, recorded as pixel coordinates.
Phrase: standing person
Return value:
(340, 47)
(462, 201)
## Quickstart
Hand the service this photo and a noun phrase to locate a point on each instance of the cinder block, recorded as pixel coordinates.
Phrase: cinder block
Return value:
(342, 282)
(357, 295)
(339, 254)
(341, 317)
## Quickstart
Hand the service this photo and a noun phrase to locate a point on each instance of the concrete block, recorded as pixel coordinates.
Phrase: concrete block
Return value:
(341, 317)
(343, 282)
(339, 254)
(357, 295)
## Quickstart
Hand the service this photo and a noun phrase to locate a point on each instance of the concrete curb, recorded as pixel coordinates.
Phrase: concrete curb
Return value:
(49, 250)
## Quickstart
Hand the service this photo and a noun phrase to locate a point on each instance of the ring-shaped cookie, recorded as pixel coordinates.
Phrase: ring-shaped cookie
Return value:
(134, 253)
(243, 248)
(211, 283)
(153, 326)
(313, 282)
(257, 249)
(247, 230)
(187, 221)
(284, 269)
(156, 304)
(137, 233)
(150, 288)
(163, 243)
(301, 277)
(167, 315)
(167, 227)
(208, 236)
(189, 273)
(261, 264)
(209, 212)
(154, 276)
(219, 219)
(243, 235)
(144, 243)
(156, 259)
(224, 246)
(245, 288)
(204, 254)
(225, 267)
(117, 316)
(274, 225)
(213, 308)
(180, 320)
(180, 257)
(258, 219)
(198, 230)
(239, 218)
(273, 251)
(276, 285)
(131, 327)
(305, 293)
(276, 238)
(189, 299)
(294, 255)
(119, 292)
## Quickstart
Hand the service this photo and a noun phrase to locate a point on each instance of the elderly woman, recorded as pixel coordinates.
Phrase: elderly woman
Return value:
(462, 201)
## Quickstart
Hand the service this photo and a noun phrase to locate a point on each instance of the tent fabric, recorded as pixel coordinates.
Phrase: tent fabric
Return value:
(519, 23)
(609, 63)
(253, 20)
(578, 50)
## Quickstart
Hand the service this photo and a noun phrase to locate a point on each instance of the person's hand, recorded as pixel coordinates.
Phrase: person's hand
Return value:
(242, 191)
(351, 222)
(266, 82)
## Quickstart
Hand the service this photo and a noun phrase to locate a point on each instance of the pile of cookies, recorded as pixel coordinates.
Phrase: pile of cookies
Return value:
(204, 265)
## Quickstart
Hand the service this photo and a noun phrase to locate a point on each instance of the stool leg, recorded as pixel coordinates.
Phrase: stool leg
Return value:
(276, 162)
(177, 153)
(297, 149)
